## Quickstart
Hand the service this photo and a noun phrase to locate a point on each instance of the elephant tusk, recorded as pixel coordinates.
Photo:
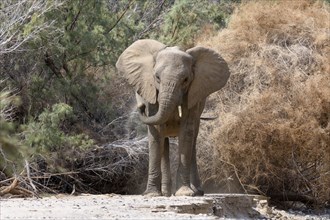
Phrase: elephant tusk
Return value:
(180, 111)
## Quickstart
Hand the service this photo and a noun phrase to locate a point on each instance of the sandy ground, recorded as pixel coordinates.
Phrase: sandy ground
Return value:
(112, 206)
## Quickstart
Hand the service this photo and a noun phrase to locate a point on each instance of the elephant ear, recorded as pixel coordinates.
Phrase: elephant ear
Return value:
(211, 73)
(136, 64)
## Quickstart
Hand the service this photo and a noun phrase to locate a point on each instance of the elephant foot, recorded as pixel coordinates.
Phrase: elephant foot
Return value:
(152, 193)
(166, 190)
(167, 194)
(185, 191)
(198, 190)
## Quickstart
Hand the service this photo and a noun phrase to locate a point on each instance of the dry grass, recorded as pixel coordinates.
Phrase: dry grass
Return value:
(273, 130)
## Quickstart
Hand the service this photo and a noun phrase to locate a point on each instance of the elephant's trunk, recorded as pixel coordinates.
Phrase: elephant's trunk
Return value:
(168, 100)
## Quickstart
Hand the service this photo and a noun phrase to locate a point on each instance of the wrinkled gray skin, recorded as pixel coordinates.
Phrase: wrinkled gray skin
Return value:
(165, 78)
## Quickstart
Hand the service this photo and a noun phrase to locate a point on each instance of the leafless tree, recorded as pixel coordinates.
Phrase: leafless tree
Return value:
(15, 14)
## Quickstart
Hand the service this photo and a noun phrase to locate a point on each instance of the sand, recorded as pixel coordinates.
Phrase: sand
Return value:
(113, 206)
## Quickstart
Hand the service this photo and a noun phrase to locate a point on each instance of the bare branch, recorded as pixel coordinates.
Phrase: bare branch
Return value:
(14, 17)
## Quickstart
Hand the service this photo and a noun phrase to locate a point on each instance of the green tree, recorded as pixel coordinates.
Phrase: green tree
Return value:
(45, 134)
(187, 18)
(70, 53)
(83, 42)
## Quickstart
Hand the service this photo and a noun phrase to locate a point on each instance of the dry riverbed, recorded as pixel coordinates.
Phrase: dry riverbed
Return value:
(112, 206)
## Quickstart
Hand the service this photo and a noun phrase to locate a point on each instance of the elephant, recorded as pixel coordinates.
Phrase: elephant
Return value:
(171, 89)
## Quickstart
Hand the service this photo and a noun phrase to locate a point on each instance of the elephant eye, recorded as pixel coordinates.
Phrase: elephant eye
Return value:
(185, 80)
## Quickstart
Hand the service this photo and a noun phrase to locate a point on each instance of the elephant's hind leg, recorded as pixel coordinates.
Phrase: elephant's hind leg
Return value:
(166, 170)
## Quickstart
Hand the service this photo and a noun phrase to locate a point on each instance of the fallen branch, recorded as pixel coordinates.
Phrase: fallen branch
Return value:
(14, 189)
(7, 189)
(27, 166)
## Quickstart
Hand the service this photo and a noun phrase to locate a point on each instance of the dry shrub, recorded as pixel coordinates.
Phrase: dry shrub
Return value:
(273, 130)
(118, 167)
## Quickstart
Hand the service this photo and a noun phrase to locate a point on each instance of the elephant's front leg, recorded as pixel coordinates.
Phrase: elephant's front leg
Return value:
(186, 141)
(156, 146)
(166, 170)
(195, 182)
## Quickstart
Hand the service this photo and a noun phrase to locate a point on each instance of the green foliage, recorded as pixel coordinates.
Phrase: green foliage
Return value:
(46, 134)
(82, 40)
(11, 155)
(186, 20)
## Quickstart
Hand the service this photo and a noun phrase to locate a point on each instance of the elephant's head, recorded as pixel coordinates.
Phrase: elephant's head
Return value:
(168, 74)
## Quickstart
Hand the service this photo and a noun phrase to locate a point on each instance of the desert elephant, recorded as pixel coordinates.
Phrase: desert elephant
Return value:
(171, 88)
